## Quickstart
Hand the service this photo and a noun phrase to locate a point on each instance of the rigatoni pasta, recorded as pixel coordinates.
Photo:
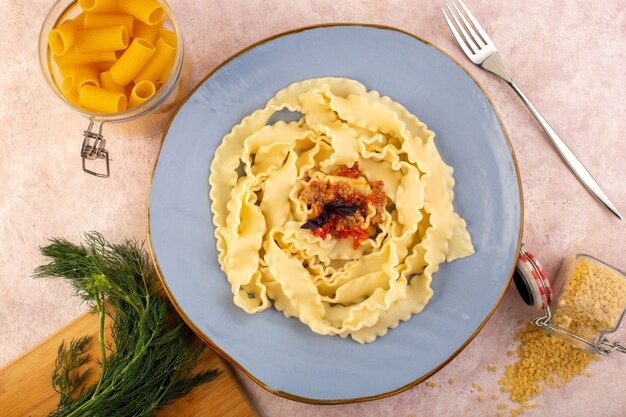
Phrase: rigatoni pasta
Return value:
(150, 12)
(80, 20)
(107, 83)
(61, 39)
(73, 59)
(159, 62)
(85, 75)
(141, 92)
(101, 100)
(113, 48)
(101, 6)
(109, 38)
(147, 32)
(168, 36)
(99, 20)
(132, 61)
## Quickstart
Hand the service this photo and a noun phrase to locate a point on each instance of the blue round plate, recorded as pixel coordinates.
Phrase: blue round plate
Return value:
(282, 354)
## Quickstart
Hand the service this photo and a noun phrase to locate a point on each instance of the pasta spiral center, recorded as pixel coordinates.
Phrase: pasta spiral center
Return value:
(340, 218)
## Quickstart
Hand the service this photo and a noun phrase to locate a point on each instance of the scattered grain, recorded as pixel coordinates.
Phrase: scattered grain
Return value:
(589, 374)
(431, 384)
(502, 406)
(494, 397)
(516, 411)
(492, 368)
(477, 387)
(543, 360)
(510, 353)
(480, 398)
(451, 381)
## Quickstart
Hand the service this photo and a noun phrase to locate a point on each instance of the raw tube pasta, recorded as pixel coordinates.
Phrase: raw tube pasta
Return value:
(161, 60)
(72, 97)
(101, 6)
(73, 58)
(84, 75)
(80, 20)
(132, 61)
(62, 38)
(104, 66)
(147, 32)
(141, 92)
(98, 20)
(113, 47)
(168, 36)
(166, 71)
(111, 38)
(101, 100)
(66, 71)
(149, 12)
(107, 82)
(76, 79)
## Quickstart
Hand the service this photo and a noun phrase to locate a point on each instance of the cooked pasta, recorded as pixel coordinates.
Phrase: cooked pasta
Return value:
(98, 20)
(147, 32)
(141, 92)
(110, 38)
(162, 59)
(362, 144)
(101, 100)
(62, 38)
(101, 6)
(132, 61)
(150, 12)
(107, 82)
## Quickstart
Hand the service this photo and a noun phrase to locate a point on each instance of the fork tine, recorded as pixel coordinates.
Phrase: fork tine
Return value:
(477, 25)
(469, 27)
(467, 37)
(457, 36)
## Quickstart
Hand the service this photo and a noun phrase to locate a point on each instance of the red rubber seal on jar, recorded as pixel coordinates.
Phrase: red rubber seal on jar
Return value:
(532, 281)
(543, 277)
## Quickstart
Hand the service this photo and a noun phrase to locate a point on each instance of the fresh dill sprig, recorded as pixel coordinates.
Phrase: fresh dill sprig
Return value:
(153, 353)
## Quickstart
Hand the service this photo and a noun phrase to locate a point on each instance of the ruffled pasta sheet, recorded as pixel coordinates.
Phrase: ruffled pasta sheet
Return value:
(258, 172)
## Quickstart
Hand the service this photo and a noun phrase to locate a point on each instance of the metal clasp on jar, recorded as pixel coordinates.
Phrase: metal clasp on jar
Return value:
(93, 149)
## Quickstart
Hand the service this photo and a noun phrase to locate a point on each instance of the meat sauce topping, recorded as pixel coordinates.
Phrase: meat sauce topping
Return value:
(339, 210)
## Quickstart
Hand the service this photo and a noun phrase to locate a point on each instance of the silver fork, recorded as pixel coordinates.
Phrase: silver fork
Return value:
(481, 50)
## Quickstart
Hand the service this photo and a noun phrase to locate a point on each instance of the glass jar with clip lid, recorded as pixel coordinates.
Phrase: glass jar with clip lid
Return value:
(588, 303)
(153, 105)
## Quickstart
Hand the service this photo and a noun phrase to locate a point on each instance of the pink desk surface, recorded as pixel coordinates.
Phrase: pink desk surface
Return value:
(570, 57)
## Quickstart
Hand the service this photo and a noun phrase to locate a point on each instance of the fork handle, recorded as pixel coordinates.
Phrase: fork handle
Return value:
(568, 156)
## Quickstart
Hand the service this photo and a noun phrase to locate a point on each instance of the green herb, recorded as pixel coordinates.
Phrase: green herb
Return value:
(153, 352)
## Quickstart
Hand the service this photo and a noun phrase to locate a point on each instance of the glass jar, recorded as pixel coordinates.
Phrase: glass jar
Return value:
(145, 119)
(589, 300)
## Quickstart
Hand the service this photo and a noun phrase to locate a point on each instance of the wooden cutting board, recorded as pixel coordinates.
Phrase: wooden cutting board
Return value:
(26, 390)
